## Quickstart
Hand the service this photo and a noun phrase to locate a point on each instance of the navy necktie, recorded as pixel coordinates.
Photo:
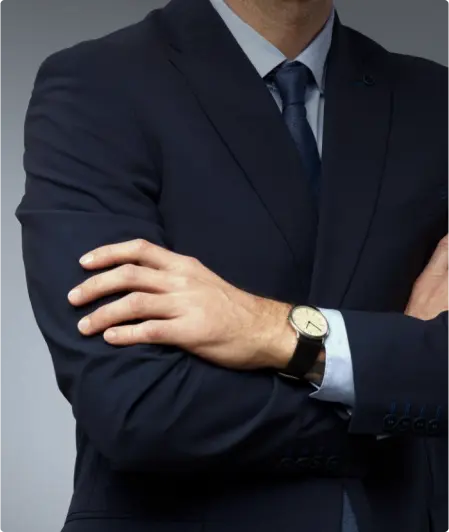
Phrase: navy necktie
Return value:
(292, 80)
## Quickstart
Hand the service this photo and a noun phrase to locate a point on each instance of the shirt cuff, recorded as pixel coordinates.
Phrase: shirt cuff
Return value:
(338, 380)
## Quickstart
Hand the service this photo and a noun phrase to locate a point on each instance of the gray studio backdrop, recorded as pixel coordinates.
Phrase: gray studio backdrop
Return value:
(37, 426)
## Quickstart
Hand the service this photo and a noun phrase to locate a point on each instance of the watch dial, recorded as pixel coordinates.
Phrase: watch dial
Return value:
(310, 322)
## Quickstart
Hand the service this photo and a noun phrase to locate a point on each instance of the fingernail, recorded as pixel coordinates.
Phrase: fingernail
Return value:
(85, 259)
(74, 295)
(84, 324)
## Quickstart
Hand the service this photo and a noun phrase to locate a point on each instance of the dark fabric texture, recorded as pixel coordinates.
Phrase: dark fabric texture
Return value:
(164, 131)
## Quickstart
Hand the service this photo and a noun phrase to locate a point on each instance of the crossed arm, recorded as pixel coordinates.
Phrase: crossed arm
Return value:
(187, 388)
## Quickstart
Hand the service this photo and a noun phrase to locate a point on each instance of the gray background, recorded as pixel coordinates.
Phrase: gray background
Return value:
(37, 426)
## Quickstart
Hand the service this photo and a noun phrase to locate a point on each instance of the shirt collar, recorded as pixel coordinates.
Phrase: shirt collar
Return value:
(265, 56)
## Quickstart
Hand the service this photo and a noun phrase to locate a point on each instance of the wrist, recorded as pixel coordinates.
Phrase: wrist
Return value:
(282, 338)
(307, 361)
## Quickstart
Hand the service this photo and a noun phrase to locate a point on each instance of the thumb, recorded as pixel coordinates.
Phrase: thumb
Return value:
(438, 263)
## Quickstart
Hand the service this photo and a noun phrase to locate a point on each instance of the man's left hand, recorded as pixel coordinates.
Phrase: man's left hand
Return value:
(179, 301)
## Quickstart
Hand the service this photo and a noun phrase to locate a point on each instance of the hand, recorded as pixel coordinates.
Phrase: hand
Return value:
(179, 301)
(430, 292)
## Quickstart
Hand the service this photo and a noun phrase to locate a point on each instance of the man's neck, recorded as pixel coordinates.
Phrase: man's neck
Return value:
(290, 25)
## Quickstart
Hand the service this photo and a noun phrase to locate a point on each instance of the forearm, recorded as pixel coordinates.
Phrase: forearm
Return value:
(389, 369)
(400, 373)
(143, 406)
(147, 407)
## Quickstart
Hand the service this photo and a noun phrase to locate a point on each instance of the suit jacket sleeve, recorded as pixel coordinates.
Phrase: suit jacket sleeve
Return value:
(400, 369)
(92, 180)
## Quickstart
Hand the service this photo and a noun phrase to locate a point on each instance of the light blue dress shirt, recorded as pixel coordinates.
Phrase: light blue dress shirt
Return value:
(338, 381)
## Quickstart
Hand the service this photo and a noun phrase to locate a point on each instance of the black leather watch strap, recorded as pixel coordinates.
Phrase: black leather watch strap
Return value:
(304, 357)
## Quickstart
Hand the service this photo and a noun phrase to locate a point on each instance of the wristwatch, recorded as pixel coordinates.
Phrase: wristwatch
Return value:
(311, 329)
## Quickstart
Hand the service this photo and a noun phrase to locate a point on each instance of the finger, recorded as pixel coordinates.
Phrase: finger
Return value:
(135, 306)
(134, 251)
(149, 332)
(128, 277)
(439, 262)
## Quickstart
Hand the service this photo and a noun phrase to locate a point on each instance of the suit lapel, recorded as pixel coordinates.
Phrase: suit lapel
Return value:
(244, 114)
(356, 129)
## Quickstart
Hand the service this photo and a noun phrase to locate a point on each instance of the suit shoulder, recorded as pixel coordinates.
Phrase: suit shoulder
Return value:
(419, 70)
(401, 68)
(115, 53)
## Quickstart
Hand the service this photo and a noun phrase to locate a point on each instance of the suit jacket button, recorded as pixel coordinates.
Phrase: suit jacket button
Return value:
(419, 425)
(286, 463)
(316, 462)
(404, 424)
(433, 427)
(390, 422)
(303, 463)
(368, 80)
(332, 463)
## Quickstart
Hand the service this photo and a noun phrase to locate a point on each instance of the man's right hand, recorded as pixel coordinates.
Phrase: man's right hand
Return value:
(430, 291)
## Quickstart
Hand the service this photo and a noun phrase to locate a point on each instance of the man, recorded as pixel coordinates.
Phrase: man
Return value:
(252, 189)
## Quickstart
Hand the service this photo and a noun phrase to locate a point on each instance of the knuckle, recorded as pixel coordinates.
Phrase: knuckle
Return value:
(178, 265)
(90, 286)
(419, 282)
(141, 245)
(142, 330)
(178, 302)
(133, 332)
(444, 243)
(107, 251)
(128, 272)
(192, 262)
(185, 264)
(136, 302)
(180, 282)
(98, 317)
(155, 333)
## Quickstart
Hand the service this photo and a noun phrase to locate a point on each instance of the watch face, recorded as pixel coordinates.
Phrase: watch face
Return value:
(310, 322)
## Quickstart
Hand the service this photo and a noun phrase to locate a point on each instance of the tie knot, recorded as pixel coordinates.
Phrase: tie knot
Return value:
(292, 80)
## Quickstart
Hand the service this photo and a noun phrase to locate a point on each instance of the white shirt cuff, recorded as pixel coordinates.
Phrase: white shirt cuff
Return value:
(338, 380)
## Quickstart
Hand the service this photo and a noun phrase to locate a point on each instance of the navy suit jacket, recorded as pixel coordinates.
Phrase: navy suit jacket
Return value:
(164, 131)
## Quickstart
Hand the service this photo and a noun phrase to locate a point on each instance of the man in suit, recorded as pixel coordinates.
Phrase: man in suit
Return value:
(249, 342)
